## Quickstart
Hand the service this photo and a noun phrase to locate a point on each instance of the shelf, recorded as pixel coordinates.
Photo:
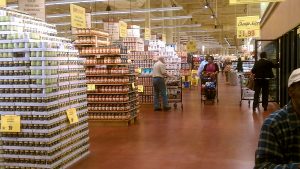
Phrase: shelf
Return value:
(99, 75)
(125, 111)
(121, 93)
(86, 35)
(102, 54)
(115, 102)
(111, 84)
(108, 64)
(147, 94)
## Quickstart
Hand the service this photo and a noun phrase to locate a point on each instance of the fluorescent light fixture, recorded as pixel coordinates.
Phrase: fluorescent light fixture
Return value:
(159, 18)
(62, 2)
(69, 23)
(122, 12)
(176, 26)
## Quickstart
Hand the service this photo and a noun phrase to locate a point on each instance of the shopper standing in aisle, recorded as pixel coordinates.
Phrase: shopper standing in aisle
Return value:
(211, 69)
(239, 66)
(279, 142)
(202, 64)
(159, 73)
(262, 71)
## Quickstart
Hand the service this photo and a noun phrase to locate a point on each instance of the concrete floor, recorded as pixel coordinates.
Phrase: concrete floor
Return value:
(223, 135)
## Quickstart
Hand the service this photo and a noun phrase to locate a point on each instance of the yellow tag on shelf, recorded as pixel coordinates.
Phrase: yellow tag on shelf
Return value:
(133, 86)
(139, 70)
(72, 115)
(10, 123)
(140, 88)
(2, 3)
(78, 17)
(91, 87)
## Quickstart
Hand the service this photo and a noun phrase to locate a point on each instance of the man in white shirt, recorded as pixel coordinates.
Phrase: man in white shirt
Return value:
(159, 72)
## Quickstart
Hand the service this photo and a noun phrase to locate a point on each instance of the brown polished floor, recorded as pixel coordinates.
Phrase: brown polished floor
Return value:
(222, 135)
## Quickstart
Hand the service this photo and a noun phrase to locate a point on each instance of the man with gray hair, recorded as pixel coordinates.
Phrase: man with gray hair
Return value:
(279, 142)
(159, 73)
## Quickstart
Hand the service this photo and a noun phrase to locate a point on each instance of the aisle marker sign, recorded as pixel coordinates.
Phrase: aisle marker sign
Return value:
(72, 115)
(140, 88)
(147, 34)
(235, 2)
(10, 123)
(123, 29)
(247, 27)
(91, 87)
(78, 17)
(191, 46)
(2, 3)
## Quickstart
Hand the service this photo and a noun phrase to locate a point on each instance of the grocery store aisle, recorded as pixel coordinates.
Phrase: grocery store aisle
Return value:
(222, 135)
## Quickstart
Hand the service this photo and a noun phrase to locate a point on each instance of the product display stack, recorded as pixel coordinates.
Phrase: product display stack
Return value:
(112, 94)
(43, 96)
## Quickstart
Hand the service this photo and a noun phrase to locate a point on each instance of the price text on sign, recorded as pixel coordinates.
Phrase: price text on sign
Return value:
(233, 2)
(78, 17)
(91, 87)
(147, 34)
(2, 3)
(123, 29)
(72, 115)
(140, 88)
(247, 27)
(10, 123)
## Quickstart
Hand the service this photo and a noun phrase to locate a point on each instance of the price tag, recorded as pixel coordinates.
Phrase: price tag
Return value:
(133, 86)
(10, 123)
(140, 88)
(72, 115)
(139, 70)
(91, 87)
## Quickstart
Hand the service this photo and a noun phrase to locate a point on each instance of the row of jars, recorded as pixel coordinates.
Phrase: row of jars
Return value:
(95, 71)
(109, 116)
(108, 107)
(107, 98)
(100, 50)
(109, 80)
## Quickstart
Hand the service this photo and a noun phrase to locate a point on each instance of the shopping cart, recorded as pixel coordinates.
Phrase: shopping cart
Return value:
(174, 91)
(246, 93)
(209, 88)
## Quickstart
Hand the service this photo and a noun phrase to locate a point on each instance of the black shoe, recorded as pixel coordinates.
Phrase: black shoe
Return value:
(167, 108)
(157, 109)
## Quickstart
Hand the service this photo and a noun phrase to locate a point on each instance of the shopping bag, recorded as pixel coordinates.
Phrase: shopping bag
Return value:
(250, 83)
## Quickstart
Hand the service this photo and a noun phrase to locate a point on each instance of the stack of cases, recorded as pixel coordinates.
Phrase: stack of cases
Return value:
(114, 97)
(41, 78)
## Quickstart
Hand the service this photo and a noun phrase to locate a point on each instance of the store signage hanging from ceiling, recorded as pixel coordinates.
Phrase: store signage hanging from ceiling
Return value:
(147, 34)
(2, 3)
(248, 27)
(163, 37)
(35, 8)
(234, 2)
(191, 46)
(78, 17)
(123, 29)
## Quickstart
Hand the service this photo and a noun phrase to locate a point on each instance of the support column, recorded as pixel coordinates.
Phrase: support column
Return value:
(147, 14)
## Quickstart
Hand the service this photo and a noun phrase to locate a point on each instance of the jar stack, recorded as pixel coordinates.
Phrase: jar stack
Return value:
(41, 79)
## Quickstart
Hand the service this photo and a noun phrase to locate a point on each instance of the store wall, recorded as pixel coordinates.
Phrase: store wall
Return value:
(284, 18)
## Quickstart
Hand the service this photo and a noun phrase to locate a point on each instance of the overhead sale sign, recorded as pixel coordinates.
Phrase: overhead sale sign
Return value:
(191, 46)
(35, 8)
(78, 17)
(123, 29)
(248, 27)
(2, 3)
(147, 34)
(234, 2)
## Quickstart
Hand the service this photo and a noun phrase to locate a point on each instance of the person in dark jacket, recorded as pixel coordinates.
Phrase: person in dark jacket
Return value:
(262, 71)
(239, 66)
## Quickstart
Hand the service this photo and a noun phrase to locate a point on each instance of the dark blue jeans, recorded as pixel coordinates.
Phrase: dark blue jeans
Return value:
(160, 89)
(261, 85)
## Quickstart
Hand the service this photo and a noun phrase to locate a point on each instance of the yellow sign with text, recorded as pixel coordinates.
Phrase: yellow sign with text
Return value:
(133, 86)
(10, 123)
(78, 17)
(72, 115)
(91, 87)
(123, 29)
(147, 34)
(191, 46)
(247, 27)
(140, 88)
(234, 2)
(2, 3)
(163, 37)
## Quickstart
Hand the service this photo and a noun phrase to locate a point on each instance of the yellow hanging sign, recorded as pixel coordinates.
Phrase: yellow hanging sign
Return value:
(147, 34)
(164, 38)
(123, 29)
(78, 17)
(10, 123)
(72, 115)
(140, 88)
(2, 3)
(133, 86)
(235, 2)
(247, 27)
(91, 87)
(191, 46)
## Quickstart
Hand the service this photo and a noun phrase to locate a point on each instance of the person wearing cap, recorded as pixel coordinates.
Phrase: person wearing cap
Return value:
(159, 73)
(279, 142)
(262, 71)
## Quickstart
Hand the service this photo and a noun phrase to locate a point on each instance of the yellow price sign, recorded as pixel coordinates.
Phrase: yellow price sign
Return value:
(147, 34)
(2, 3)
(78, 17)
(139, 70)
(133, 86)
(140, 88)
(191, 46)
(123, 29)
(91, 87)
(164, 38)
(10, 123)
(247, 27)
(72, 115)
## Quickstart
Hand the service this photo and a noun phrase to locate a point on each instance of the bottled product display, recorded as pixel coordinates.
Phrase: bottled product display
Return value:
(41, 80)
(113, 95)
(89, 36)
(134, 44)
